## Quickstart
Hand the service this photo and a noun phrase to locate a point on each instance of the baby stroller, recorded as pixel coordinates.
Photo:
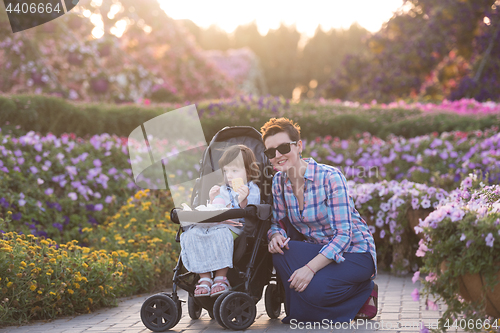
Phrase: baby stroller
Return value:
(252, 263)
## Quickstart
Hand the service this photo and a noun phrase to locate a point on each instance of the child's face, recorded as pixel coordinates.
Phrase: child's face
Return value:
(233, 171)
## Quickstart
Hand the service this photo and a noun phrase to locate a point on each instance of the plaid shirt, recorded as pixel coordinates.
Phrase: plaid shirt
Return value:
(329, 216)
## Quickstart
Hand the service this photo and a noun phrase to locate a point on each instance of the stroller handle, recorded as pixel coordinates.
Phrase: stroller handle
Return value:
(260, 212)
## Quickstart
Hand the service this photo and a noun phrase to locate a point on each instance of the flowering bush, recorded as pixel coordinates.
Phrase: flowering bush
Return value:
(133, 252)
(438, 160)
(389, 208)
(462, 238)
(141, 229)
(57, 186)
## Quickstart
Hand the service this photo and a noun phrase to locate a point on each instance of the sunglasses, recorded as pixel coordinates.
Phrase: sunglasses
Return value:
(283, 148)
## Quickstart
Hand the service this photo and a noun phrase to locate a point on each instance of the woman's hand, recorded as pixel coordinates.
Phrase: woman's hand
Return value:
(300, 279)
(277, 243)
(214, 191)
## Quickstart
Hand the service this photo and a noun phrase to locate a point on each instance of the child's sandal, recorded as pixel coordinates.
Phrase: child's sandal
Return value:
(370, 308)
(200, 287)
(220, 281)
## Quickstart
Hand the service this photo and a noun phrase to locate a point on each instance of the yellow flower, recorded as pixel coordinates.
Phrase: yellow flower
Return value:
(44, 242)
(77, 286)
(40, 292)
(19, 275)
(32, 287)
(101, 287)
(85, 265)
(91, 300)
(23, 264)
(9, 284)
(70, 291)
(9, 212)
(133, 219)
(131, 241)
(52, 261)
(52, 293)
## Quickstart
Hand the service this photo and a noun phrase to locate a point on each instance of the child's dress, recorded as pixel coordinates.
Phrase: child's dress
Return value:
(207, 249)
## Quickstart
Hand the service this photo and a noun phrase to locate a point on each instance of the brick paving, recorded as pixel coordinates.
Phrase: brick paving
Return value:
(396, 310)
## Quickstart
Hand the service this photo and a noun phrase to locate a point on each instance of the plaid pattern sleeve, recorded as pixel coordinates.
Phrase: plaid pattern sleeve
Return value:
(254, 194)
(339, 216)
(278, 208)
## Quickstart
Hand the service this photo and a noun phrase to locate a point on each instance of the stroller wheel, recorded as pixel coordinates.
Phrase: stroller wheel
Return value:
(238, 311)
(272, 301)
(160, 313)
(216, 310)
(194, 309)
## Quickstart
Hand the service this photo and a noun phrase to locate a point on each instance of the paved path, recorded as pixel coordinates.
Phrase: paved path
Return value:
(396, 309)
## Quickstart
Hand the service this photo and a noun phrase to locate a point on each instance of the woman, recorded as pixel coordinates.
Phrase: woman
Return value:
(327, 275)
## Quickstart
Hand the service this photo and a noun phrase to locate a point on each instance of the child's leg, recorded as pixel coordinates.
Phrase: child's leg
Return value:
(200, 288)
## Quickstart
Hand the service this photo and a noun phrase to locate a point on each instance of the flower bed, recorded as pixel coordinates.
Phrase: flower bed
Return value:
(438, 160)
(57, 186)
(390, 208)
(462, 242)
(133, 252)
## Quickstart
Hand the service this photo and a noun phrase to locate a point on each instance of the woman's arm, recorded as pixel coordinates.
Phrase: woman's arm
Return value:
(339, 217)
(278, 209)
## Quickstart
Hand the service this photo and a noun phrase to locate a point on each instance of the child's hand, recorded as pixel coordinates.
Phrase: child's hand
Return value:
(214, 191)
(232, 223)
(243, 192)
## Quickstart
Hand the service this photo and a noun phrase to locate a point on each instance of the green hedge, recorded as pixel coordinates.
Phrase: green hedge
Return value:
(50, 114)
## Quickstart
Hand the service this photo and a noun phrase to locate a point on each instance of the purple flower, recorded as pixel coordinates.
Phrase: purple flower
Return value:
(469, 242)
(40, 181)
(38, 147)
(17, 216)
(18, 153)
(90, 207)
(416, 276)
(424, 330)
(98, 207)
(382, 233)
(38, 158)
(33, 169)
(108, 199)
(415, 295)
(21, 202)
(49, 191)
(4, 203)
(20, 160)
(73, 196)
(97, 163)
(16, 168)
(463, 237)
(58, 226)
(489, 240)
(4, 169)
(426, 203)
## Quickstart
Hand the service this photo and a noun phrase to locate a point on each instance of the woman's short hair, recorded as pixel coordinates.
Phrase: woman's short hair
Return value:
(278, 125)
(249, 161)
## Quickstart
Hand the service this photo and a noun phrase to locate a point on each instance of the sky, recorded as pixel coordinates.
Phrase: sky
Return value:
(268, 14)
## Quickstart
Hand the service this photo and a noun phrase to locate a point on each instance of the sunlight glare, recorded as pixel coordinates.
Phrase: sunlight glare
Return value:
(228, 14)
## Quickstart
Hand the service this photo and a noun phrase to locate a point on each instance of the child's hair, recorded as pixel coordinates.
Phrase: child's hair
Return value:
(250, 163)
(278, 125)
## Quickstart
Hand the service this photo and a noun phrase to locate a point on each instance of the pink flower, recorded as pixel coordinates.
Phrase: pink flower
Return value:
(431, 305)
(415, 295)
(73, 196)
(416, 276)
(421, 249)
